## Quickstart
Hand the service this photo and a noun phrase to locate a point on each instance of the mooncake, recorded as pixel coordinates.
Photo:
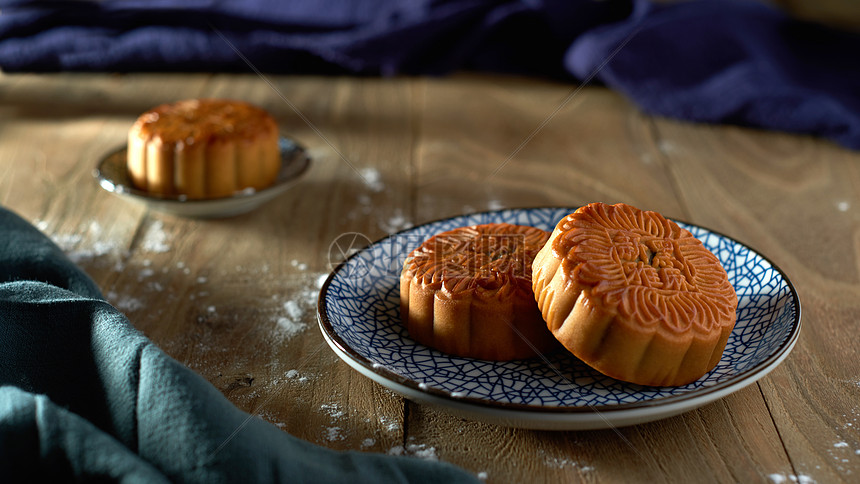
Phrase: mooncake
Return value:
(203, 148)
(468, 292)
(634, 296)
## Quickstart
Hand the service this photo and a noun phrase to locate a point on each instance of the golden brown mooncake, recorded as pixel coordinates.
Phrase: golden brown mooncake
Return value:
(203, 148)
(634, 295)
(468, 292)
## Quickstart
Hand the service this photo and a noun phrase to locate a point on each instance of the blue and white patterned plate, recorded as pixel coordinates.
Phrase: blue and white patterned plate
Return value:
(359, 317)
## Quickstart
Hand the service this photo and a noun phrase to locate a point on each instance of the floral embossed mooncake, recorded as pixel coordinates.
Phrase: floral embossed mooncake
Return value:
(468, 292)
(203, 148)
(634, 295)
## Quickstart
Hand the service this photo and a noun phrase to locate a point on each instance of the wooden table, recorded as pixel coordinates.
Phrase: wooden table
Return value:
(234, 299)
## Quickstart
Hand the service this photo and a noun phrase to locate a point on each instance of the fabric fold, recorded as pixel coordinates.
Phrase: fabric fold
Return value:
(84, 396)
(740, 62)
(729, 61)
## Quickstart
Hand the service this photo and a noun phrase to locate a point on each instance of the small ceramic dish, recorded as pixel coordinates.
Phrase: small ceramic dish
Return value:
(112, 175)
(358, 312)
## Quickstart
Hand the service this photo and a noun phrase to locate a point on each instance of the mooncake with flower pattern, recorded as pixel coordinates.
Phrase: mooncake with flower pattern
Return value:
(468, 292)
(203, 148)
(634, 295)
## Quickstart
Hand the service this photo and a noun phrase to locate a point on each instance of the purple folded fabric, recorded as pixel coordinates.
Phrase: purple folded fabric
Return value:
(719, 61)
(367, 37)
(737, 62)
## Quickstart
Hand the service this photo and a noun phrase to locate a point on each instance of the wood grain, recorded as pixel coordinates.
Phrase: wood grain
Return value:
(234, 299)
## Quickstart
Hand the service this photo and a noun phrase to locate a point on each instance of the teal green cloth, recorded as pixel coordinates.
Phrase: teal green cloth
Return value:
(85, 396)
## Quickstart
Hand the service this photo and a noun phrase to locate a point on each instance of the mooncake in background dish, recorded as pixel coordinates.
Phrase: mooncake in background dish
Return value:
(203, 148)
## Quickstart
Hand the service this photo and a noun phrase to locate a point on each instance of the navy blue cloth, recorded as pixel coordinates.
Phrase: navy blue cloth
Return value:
(737, 62)
(719, 61)
(365, 37)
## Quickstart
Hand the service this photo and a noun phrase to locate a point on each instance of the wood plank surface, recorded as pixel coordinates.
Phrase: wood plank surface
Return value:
(235, 299)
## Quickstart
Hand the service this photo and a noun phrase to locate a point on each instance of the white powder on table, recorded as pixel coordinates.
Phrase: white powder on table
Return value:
(299, 265)
(66, 241)
(321, 280)
(69, 243)
(295, 375)
(333, 410)
(560, 463)
(334, 433)
(799, 479)
(155, 239)
(372, 178)
(389, 423)
(396, 222)
(291, 318)
(563, 462)
(124, 303)
(293, 310)
(420, 451)
(667, 147)
(289, 328)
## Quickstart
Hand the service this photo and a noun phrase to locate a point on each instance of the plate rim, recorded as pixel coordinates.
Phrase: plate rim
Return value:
(688, 400)
(116, 187)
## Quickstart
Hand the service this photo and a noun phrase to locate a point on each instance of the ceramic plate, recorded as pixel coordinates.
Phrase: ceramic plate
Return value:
(112, 176)
(358, 313)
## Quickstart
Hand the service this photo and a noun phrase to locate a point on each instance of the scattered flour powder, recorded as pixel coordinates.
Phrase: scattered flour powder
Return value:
(563, 462)
(495, 205)
(333, 410)
(290, 322)
(293, 310)
(299, 265)
(291, 316)
(783, 478)
(289, 328)
(396, 222)
(124, 303)
(420, 451)
(389, 423)
(70, 243)
(372, 178)
(295, 375)
(155, 239)
(334, 433)
(90, 245)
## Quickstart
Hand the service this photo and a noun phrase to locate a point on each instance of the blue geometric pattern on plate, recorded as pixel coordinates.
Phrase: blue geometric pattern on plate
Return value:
(360, 306)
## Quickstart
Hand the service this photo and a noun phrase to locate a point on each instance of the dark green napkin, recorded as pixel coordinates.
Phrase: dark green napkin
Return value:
(83, 395)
